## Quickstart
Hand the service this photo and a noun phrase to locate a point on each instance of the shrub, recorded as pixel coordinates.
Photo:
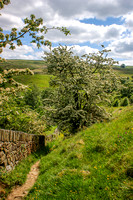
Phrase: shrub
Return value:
(32, 97)
(116, 103)
(131, 99)
(125, 102)
(123, 66)
(15, 115)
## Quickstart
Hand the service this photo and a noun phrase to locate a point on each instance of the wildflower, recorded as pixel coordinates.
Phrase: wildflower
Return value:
(95, 167)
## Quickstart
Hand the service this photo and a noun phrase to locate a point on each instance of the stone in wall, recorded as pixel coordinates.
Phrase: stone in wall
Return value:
(16, 145)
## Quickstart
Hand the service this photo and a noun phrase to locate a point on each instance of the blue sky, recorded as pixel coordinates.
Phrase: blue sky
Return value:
(91, 23)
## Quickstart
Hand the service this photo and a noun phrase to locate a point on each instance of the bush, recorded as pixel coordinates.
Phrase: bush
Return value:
(32, 97)
(125, 102)
(123, 66)
(131, 99)
(116, 103)
(20, 117)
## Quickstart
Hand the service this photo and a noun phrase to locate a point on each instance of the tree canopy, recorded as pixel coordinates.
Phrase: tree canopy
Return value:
(81, 85)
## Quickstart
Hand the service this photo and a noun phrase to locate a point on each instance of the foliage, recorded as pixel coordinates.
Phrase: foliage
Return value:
(8, 86)
(127, 89)
(125, 102)
(131, 99)
(116, 103)
(16, 115)
(81, 85)
(32, 97)
(123, 66)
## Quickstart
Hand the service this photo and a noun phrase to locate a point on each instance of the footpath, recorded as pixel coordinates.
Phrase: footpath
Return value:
(19, 192)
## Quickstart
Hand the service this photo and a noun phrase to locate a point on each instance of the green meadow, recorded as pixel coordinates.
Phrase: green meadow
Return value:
(40, 80)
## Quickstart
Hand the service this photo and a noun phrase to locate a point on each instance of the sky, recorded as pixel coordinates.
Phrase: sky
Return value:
(92, 23)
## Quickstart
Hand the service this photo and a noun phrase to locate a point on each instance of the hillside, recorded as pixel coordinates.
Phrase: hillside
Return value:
(32, 64)
(96, 163)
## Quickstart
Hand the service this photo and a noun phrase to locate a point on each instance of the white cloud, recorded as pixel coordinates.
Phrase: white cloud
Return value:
(9, 20)
(81, 50)
(122, 50)
(81, 32)
(127, 62)
(93, 8)
(19, 53)
(129, 20)
(68, 13)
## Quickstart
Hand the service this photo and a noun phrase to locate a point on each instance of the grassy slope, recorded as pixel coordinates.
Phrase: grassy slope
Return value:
(40, 80)
(96, 163)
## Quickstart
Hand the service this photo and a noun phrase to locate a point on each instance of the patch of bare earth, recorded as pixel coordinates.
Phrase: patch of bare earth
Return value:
(19, 192)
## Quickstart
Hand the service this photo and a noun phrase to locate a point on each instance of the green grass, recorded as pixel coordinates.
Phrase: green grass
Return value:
(40, 80)
(96, 163)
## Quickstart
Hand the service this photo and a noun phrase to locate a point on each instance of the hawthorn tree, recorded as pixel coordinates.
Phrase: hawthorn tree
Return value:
(82, 86)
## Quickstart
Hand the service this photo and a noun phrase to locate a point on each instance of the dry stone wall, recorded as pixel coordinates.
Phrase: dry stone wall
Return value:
(16, 145)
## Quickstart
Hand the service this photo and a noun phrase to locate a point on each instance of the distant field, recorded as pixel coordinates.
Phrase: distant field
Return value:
(128, 71)
(40, 80)
(39, 66)
(31, 64)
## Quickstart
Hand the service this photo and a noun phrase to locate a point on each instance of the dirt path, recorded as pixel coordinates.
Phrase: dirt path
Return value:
(21, 191)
